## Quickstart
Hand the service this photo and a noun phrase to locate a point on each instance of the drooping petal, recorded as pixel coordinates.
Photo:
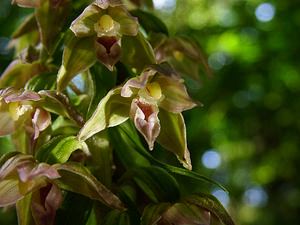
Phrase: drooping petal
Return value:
(173, 136)
(41, 120)
(145, 117)
(41, 170)
(134, 84)
(108, 51)
(84, 24)
(128, 24)
(176, 97)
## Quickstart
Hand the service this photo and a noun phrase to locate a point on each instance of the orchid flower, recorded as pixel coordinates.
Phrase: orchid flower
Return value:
(22, 176)
(152, 90)
(107, 21)
(17, 110)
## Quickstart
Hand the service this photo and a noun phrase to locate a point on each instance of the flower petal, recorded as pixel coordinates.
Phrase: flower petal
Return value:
(108, 51)
(128, 24)
(41, 120)
(173, 136)
(176, 97)
(132, 85)
(145, 117)
(84, 24)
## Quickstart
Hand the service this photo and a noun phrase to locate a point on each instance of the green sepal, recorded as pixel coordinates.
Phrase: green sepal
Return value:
(173, 136)
(111, 111)
(137, 53)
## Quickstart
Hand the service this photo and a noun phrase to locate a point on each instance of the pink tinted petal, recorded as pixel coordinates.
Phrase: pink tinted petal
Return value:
(132, 85)
(12, 164)
(41, 120)
(146, 120)
(108, 51)
(43, 170)
(19, 95)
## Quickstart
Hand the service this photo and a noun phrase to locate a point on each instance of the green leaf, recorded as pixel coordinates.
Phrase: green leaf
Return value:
(156, 183)
(74, 214)
(124, 139)
(64, 126)
(111, 111)
(101, 164)
(173, 136)
(59, 149)
(116, 217)
(150, 22)
(79, 55)
(76, 178)
(210, 203)
(103, 81)
(137, 52)
(45, 81)
(184, 213)
(50, 19)
(153, 213)
(23, 208)
(18, 73)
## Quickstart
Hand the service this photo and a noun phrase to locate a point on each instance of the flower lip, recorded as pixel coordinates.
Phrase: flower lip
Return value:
(146, 109)
(107, 42)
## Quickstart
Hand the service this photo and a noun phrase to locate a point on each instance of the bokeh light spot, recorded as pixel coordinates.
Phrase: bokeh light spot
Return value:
(165, 5)
(265, 12)
(211, 159)
(255, 196)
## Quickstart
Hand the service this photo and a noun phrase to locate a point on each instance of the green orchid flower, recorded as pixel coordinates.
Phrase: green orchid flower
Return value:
(152, 90)
(154, 101)
(107, 21)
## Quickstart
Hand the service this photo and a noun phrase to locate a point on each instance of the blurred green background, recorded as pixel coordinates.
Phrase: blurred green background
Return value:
(247, 135)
